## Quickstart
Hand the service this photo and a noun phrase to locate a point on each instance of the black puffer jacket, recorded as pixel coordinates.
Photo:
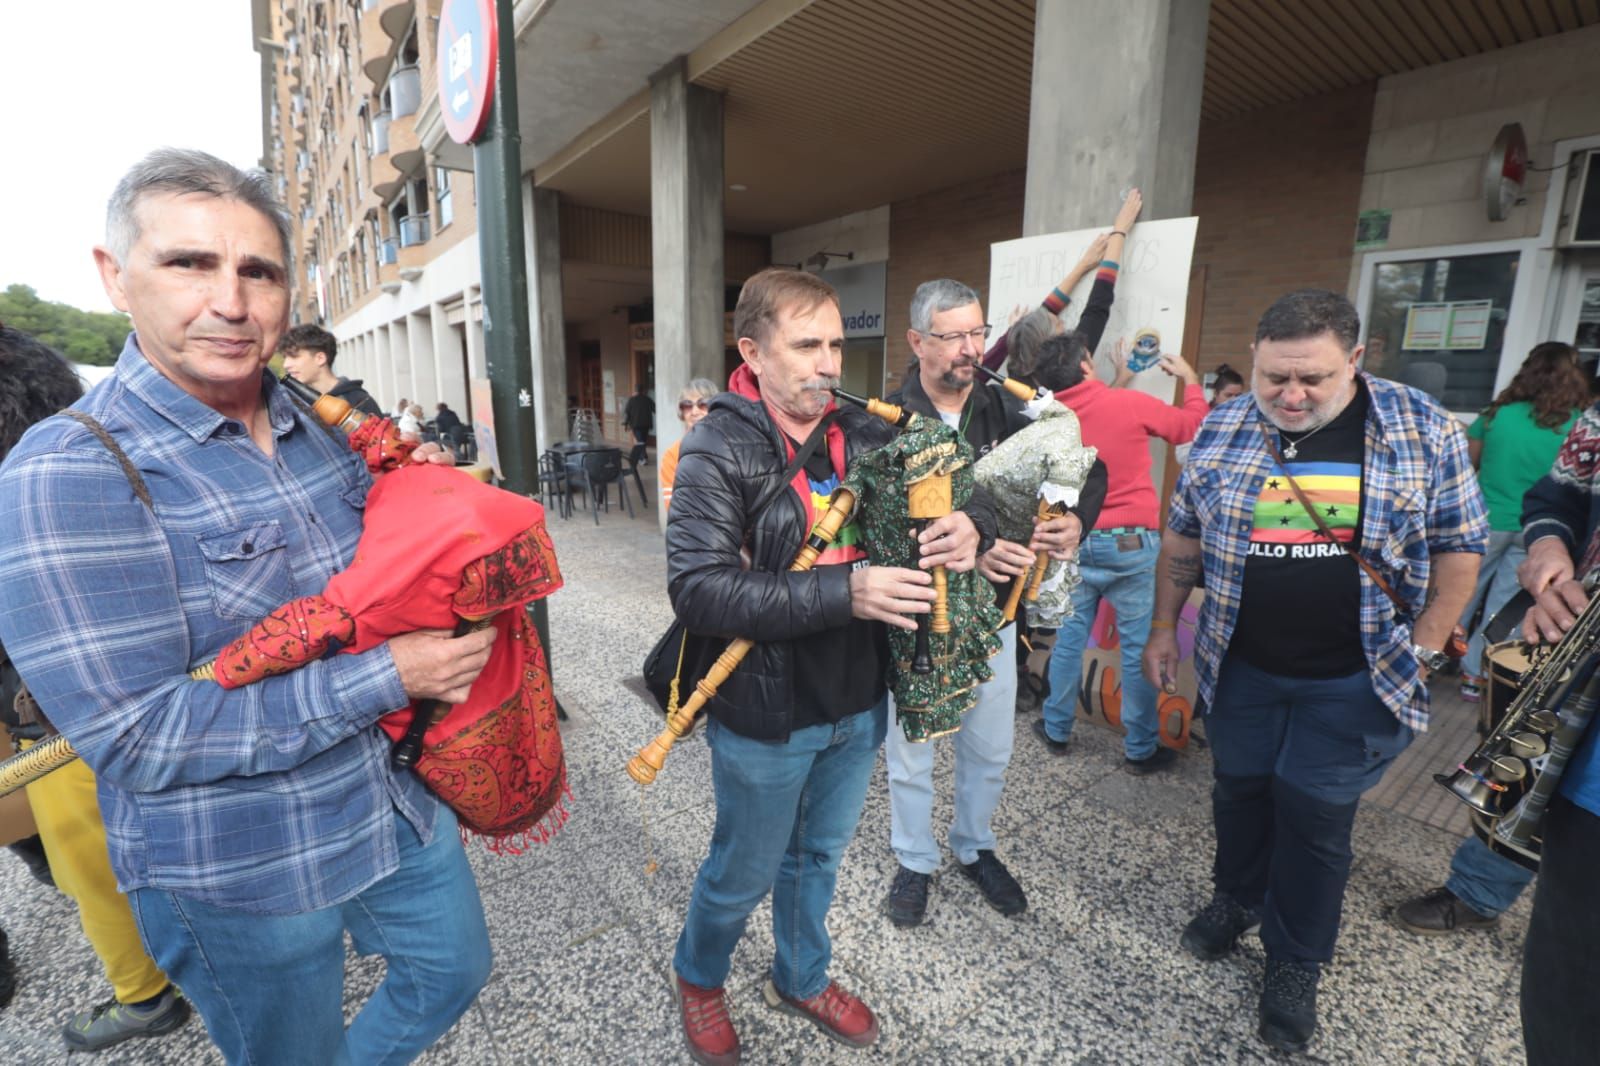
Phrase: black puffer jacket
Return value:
(730, 462)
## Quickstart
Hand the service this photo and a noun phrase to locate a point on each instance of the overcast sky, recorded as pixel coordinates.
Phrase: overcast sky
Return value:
(92, 86)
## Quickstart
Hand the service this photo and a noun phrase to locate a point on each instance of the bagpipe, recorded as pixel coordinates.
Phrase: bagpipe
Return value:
(438, 550)
(921, 475)
(1034, 475)
(893, 492)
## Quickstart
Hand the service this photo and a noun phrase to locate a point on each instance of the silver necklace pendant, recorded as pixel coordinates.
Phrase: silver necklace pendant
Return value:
(1291, 451)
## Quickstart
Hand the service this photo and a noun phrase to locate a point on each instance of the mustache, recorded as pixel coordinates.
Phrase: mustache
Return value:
(822, 384)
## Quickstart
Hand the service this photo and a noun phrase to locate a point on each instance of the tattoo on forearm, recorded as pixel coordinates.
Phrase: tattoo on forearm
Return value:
(1183, 571)
(1433, 594)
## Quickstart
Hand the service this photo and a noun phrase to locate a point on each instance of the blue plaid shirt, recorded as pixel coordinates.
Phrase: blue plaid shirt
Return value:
(1419, 498)
(276, 797)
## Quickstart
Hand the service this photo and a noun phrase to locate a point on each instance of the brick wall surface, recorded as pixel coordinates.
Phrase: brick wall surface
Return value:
(1277, 192)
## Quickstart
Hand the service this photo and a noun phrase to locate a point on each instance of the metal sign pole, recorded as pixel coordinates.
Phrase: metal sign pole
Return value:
(497, 169)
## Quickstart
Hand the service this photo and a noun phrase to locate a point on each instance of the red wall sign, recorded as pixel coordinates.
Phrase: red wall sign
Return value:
(468, 47)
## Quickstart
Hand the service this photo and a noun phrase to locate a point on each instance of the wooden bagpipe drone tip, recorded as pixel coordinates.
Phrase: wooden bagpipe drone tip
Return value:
(1022, 391)
(899, 417)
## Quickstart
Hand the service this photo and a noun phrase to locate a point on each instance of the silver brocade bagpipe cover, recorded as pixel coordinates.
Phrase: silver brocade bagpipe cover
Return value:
(1045, 461)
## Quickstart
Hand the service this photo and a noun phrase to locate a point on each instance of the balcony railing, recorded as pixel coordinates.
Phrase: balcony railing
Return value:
(405, 91)
(380, 133)
(388, 252)
(413, 230)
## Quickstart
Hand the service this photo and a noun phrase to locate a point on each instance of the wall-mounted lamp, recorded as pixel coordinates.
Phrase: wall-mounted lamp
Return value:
(819, 261)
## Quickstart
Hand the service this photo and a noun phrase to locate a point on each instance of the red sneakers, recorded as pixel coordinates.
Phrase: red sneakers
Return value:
(706, 1026)
(833, 1010)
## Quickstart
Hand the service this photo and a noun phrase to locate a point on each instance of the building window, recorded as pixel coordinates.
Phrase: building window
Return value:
(1442, 318)
(441, 196)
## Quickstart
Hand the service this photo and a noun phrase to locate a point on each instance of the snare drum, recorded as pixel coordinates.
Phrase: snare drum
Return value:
(1507, 663)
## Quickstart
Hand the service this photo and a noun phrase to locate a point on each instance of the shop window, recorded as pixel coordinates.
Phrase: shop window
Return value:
(1442, 318)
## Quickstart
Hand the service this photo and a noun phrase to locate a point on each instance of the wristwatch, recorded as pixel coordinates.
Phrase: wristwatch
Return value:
(1433, 660)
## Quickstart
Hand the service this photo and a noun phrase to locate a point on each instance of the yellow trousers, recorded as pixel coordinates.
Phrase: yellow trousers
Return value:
(68, 815)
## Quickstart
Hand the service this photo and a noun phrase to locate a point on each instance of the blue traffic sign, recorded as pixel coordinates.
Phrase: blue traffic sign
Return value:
(468, 47)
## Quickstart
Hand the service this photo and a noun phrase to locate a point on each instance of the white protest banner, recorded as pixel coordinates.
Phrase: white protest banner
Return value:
(1152, 293)
(1152, 288)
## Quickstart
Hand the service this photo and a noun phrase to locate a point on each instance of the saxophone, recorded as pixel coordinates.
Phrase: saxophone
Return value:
(1511, 778)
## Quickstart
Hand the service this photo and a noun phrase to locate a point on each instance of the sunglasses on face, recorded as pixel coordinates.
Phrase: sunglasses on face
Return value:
(689, 405)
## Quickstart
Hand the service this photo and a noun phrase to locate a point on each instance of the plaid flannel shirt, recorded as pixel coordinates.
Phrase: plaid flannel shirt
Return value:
(276, 797)
(1419, 498)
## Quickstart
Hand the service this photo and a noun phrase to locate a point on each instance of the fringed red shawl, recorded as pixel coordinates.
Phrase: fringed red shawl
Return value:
(439, 546)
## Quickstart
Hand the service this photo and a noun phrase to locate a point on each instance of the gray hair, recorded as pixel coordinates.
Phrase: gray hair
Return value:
(178, 171)
(932, 297)
(697, 388)
(1024, 338)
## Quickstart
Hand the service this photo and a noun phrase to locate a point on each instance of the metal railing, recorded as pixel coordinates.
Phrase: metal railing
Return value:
(405, 91)
(380, 133)
(413, 229)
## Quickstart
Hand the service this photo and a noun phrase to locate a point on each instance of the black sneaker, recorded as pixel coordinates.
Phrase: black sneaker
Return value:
(1052, 745)
(996, 883)
(1288, 1006)
(908, 897)
(1161, 759)
(1213, 932)
(1439, 912)
(8, 971)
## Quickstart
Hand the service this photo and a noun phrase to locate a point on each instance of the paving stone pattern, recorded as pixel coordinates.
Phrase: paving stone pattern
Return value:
(1091, 973)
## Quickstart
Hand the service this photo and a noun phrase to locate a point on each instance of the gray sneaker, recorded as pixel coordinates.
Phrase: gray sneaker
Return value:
(112, 1022)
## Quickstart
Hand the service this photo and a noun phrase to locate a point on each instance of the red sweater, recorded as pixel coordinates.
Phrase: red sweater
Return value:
(1119, 423)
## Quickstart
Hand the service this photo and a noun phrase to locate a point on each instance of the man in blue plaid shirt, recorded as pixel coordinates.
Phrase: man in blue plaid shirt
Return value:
(250, 828)
(1313, 679)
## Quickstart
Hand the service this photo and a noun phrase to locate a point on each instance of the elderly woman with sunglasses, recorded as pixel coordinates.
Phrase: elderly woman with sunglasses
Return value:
(693, 403)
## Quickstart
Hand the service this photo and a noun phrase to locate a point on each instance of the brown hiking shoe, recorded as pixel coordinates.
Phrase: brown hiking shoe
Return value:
(833, 1010)
(707, 1029)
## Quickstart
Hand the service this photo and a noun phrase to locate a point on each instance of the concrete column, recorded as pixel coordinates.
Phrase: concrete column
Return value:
(477, 361)
(1124, 110)
(541, 220)
(686, 239)
(382, 372)
(400, 361)
(449, 361)
(424, 372)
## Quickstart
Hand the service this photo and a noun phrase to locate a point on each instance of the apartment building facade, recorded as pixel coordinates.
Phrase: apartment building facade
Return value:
(670, 149)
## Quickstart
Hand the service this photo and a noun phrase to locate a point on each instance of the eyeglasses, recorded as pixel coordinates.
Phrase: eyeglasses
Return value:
(977, 334)
(689, 405)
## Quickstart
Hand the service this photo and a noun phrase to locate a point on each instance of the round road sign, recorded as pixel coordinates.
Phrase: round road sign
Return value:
(468, 46)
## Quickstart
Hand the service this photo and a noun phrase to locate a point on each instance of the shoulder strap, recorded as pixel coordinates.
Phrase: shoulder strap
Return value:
(801, 454)
(1322, 527)
(128, 469)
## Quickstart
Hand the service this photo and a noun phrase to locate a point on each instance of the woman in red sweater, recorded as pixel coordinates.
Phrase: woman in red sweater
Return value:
(1118, 557)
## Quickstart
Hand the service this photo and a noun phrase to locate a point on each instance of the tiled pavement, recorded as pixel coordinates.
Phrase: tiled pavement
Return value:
(1092, 973)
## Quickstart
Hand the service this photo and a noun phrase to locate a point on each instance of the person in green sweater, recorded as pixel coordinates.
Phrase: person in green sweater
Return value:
(1512, 443)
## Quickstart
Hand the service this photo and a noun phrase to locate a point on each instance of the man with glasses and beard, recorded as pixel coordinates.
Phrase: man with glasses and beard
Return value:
(794, 731)
(947, 335)
(1339, 527)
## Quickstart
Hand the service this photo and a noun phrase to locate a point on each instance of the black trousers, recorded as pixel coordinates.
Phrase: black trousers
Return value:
(1561, 958)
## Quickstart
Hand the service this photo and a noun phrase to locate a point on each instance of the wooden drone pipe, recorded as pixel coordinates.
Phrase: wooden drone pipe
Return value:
(644, 766)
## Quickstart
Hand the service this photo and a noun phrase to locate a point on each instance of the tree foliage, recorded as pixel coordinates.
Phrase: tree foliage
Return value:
(92, 337)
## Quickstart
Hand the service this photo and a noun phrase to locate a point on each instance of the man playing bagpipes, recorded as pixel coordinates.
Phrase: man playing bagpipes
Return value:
(794, 730)
(947, 334)
(250, 827)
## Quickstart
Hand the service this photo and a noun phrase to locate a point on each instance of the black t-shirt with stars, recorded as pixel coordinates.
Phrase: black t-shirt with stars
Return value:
(1300, 603)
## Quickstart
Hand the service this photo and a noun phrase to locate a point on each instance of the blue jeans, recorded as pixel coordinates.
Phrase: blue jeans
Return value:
(1291, 758)
(271, 987)
(983, 750)
(785, 812)
(1484, 881)
(1497, 583)
(1128, 580)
